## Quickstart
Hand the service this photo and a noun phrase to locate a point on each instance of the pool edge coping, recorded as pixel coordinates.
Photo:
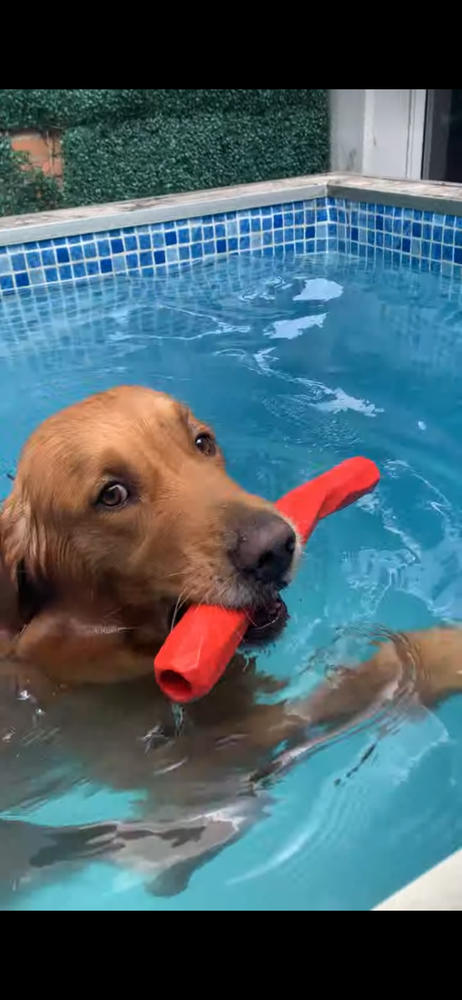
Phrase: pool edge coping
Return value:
(438, 888)
(165, 208)
(435, 196)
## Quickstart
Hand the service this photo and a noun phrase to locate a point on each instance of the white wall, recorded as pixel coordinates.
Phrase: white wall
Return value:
(378, 132)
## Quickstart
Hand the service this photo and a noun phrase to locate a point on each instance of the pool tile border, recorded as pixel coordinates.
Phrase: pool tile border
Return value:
(300, 227)
(336, 213)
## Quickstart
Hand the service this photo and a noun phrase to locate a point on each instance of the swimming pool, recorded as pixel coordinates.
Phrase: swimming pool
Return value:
(298, 362)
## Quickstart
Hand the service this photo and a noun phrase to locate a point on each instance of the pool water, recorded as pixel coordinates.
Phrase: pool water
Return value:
(298, 363)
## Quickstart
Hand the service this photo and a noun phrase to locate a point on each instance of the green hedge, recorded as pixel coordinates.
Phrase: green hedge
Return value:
(120, 144)
(159, 155)
(46, 109)
(24, 190)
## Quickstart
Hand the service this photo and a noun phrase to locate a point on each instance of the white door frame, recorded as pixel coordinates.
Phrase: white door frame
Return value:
(378, 132)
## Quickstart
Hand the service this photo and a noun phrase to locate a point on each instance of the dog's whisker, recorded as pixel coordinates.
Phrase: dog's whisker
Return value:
(168, 576)
(182, 599)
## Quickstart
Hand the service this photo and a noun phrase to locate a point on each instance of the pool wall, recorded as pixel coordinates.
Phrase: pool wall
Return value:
(407, 224)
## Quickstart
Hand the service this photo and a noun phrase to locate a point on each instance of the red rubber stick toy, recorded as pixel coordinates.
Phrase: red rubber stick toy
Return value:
(197, 651)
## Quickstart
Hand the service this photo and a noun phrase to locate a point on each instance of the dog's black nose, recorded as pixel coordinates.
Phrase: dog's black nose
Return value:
(264, 548)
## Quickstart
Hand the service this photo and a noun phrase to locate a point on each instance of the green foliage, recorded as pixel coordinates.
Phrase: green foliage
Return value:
(24, 190)
(121, 144)
(44, 109)
(159, 155)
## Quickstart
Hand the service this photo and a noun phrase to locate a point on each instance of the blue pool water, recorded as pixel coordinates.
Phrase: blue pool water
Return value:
(298, 364)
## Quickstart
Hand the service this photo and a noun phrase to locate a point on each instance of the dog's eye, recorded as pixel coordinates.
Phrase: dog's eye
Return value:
(206, 444)
(113, 495)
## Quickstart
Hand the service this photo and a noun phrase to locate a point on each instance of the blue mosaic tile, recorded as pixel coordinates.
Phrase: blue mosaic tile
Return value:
(18, 262)
(21, 279)
(367, 230)
(48, 258)
(37, 277)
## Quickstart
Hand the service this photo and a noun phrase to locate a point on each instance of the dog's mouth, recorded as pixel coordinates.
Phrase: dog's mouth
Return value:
(266, 620)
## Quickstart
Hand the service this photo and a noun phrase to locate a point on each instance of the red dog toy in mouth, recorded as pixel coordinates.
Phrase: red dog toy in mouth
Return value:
(197, 651)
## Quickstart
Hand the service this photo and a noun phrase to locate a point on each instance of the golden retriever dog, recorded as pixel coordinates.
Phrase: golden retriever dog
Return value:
(121, 516)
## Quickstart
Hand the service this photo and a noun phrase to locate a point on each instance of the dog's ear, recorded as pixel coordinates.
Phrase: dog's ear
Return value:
(24, 554)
